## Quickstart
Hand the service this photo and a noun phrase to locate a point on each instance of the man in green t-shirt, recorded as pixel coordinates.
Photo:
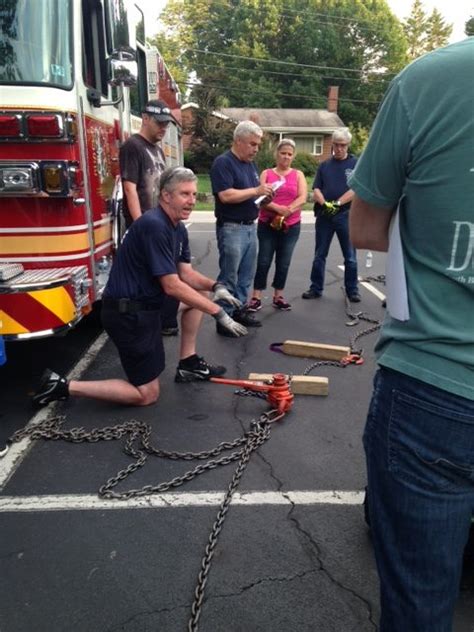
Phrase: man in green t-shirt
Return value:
(414, 196)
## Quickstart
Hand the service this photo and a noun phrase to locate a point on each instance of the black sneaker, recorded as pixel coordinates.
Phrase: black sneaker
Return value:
(311, 294)
(52, 388)
(170, 331)
(245, 318)
(354, 298)
(195, 368)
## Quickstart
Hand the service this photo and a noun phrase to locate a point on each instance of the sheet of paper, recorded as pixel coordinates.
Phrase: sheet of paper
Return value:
(397, 295)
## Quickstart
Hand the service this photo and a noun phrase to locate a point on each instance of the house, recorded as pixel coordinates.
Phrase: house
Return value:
(310, 129)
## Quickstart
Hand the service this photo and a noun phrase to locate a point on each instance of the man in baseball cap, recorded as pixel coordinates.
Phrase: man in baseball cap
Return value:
(142, 162)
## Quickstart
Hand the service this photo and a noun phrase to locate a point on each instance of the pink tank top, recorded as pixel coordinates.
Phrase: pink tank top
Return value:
(285, 195)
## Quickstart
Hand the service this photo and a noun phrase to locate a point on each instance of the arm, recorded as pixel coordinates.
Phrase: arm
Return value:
(347, 197)
(234, 196)
(193, 278)
(318, 196)
(302, 193)
(369, 225)
(133, 202)
(174, 286)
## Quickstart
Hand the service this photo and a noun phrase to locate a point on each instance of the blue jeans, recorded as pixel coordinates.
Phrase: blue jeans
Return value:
(237, 245)
(419, 444)
(274, 243)
(325, 228)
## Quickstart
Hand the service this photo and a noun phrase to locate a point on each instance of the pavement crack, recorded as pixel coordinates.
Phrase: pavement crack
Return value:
(316, 553)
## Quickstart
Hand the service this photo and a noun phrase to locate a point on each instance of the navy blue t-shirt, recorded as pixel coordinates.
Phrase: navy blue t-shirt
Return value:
(151, 247)
(332, 176)
(228, 172)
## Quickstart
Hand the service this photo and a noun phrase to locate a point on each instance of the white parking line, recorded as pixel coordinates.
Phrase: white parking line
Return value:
(18, 451)
(86, 502)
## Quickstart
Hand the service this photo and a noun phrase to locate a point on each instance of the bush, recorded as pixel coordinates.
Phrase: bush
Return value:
(265, 159)
(189, 160)
(306, 163)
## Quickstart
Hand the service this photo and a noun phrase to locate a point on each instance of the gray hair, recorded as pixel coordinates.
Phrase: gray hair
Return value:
(173, 176)
(286, 141)
(247, 128)
(342, 135)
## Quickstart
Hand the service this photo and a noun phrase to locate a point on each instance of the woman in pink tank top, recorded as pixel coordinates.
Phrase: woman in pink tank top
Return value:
(279, 224)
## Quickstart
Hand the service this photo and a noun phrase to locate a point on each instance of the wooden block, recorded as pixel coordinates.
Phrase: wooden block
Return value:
(300, 384)
(314, 350)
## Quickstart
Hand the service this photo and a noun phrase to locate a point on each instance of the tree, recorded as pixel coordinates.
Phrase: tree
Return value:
(425, 33)
(415, 30)
(469, 27)
(286, 53)
(437, 32)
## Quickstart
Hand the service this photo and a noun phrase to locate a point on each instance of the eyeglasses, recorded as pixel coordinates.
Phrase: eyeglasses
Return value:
(340, 145)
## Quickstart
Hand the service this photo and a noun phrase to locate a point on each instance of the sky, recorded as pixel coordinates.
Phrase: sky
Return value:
(455, 12)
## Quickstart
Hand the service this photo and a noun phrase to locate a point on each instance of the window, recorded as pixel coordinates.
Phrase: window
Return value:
(94, 58)
(309, 144)
(36, 43)
(138, 92)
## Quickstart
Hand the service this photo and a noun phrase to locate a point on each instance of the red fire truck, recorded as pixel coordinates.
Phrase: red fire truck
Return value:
(73, 79)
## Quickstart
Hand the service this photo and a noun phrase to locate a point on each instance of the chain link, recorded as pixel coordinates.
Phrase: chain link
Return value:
(138, 446)
(355, 318)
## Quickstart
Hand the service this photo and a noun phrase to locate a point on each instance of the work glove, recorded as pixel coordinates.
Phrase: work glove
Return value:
(224, 320)
(221, 293)
(331, 208)
(278, 223)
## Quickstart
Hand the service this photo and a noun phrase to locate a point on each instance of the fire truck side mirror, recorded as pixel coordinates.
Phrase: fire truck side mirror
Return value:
(122, 72)
(122, 22)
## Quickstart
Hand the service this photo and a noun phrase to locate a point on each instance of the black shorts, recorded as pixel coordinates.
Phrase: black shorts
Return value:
(137, 337)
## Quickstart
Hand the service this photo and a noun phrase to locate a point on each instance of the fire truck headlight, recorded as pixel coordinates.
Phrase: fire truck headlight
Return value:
(54, 179)
(21, 179)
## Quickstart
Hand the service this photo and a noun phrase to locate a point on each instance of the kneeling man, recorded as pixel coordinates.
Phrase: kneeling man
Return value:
(153, 260)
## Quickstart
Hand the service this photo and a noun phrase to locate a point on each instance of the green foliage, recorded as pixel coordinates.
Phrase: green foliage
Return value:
(425, 33)
(306, 163)
(469, 27)
(211, 136)
(265, 158)
(232, 46)
(360, 136)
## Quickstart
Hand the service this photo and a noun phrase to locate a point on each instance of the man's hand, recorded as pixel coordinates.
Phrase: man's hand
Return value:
(331, 208)
(264, 189)
(236, 329)
(221, 293)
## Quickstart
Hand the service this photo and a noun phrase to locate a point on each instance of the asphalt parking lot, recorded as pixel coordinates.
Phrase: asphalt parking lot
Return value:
(294, 552)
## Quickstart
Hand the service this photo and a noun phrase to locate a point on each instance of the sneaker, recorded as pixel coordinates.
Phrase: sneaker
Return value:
(52, 388)
(280, 303)
(170, 331)
(311, 294)
(354, 298)
(244, 318)
(195, 368)
(254, 305)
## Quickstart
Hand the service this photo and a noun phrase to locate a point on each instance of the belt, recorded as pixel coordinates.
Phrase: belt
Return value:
(128, 305)
(245, 222)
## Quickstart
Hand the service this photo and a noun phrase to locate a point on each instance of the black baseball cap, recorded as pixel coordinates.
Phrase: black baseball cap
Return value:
(158, 110)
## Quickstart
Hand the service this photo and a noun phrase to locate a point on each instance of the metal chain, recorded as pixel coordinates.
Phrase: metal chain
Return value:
(246, 392)
(355, 318)
(51, 429)
(260, 435)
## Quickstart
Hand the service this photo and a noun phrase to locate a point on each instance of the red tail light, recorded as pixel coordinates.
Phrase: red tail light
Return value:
(10, 126)
(50, 126)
